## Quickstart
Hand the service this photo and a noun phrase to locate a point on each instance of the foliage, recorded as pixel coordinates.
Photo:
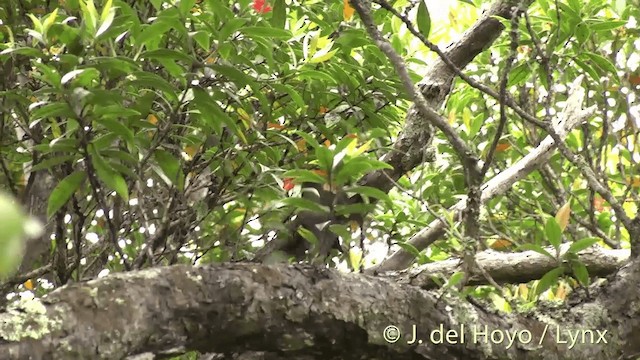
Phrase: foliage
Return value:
(181, 131)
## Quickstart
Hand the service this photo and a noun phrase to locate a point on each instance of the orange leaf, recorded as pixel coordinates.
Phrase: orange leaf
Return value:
(288, 184)
(275, 126)
(348, 11)
(320, 172)
(597, 202)
(352, 136)
(152, 119)
(327, 143)
(634, 79)
(501, 244)
(502, 146)
(563, 214)
(323, 110)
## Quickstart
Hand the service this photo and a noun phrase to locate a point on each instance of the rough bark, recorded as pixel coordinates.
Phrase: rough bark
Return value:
(296, 312)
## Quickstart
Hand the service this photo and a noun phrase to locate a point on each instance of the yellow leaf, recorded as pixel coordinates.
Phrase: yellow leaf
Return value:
(524, 291)
(348, 11)
(152, 119)
(563, 214)
(244, 116)
(29, 285)
(190, 150)
(301, 145)
(561, 292)
(452, 116)
(355, 258)
(352, 147)
(633, 181)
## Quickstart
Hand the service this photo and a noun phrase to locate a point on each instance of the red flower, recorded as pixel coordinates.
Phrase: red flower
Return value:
(261, 6)
(288, 184)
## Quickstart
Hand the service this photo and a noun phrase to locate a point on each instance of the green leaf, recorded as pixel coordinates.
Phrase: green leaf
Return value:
(64, 190)
(214, 114)
(548, 280)
(519, 74)
(406, 246)
(89, 15)
(106, 10)
(106, 22)
(230, 27)
(185, 6)
(153, 32)
(169, 164)
(606, 25)
(602, 62)
(37, 25)
(304, 204)
(537, 248)
(202, 38)
(53, 161)
(119, 128)
(110, 177)
(588, 69)
(370, 192)
(302, 175)
(267, 32)
(153, 81)
(582, 244)
(354, 209)
(455, 279)
(295, 96)
(341, 230)
(316, 75)
(12, 223)
(423, 19)
(580, 272)
(57, 109)
(308, 235)
(279, 14)
(325, 158)
(553, 232)
(167, 54)
(308, 139)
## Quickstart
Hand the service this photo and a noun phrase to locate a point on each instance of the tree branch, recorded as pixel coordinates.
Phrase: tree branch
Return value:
(294, 311)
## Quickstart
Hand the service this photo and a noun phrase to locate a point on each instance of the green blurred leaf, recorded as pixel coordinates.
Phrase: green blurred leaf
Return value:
(553, 232)
(549, 279)
(64, 190)
(580, 272)
(582, 244)
(12, 222)
(423, 19)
